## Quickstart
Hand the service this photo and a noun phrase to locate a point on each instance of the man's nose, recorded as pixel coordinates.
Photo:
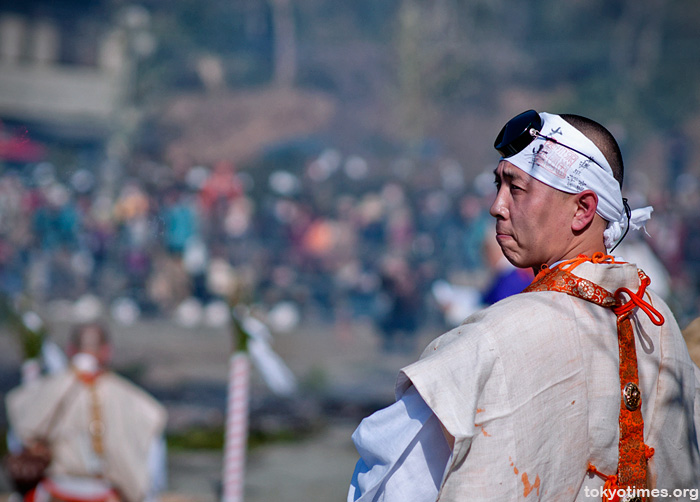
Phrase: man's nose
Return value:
(499, 207)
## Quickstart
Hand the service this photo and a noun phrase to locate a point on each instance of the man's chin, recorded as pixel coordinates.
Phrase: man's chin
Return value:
(516, 260)
(510, 255)
(517, 264)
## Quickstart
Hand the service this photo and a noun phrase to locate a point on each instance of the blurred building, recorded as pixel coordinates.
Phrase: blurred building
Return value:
(65, 73)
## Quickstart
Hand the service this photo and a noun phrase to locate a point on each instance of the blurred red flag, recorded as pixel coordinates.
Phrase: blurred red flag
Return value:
(18, 147)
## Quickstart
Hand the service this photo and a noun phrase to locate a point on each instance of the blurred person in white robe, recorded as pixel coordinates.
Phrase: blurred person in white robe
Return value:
(105, 434)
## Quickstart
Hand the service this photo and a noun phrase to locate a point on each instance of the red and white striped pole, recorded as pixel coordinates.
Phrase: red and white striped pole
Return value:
(236, 416)
(236, 428)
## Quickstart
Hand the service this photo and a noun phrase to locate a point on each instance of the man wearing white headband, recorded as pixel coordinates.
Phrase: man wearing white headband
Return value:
(579, 388)
(562, 157)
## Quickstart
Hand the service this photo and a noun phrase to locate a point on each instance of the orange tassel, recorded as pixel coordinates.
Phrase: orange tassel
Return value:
(610, 485)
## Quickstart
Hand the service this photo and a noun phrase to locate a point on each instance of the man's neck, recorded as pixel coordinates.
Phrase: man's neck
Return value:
(580, 250)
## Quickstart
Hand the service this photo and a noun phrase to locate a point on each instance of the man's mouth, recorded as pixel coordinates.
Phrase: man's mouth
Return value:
(502, 235)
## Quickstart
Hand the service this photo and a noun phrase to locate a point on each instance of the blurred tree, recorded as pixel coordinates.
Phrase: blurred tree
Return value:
(421, 65)
(631, 60)
(412, 71)
(239, 35)
(285, 66)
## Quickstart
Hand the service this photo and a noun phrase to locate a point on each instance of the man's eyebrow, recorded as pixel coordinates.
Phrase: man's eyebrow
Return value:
(509, 174)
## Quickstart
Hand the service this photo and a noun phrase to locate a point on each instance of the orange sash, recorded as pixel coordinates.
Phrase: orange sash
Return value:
(633, 453)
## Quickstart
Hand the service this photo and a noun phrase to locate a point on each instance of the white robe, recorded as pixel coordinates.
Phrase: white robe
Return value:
(133, 422)
(529, 388)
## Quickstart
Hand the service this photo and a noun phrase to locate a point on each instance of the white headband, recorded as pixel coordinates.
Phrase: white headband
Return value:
(571, 170)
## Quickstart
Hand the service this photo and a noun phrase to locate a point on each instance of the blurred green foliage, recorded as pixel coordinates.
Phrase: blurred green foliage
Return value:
(24, 324)
(213, 438)
(197, 438)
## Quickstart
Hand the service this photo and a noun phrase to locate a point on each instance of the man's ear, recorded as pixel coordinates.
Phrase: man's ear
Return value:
(586, 205)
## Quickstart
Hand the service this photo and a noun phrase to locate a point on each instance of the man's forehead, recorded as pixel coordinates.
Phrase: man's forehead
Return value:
(507, 170)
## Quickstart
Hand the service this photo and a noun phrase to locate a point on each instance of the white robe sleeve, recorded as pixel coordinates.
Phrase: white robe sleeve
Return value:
(157, 468)
(403, 453)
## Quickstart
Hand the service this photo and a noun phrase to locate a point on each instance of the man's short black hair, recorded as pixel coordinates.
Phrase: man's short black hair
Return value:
(603, 139)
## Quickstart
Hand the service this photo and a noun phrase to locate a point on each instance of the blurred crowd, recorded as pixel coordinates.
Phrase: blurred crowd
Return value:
(338, 240)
